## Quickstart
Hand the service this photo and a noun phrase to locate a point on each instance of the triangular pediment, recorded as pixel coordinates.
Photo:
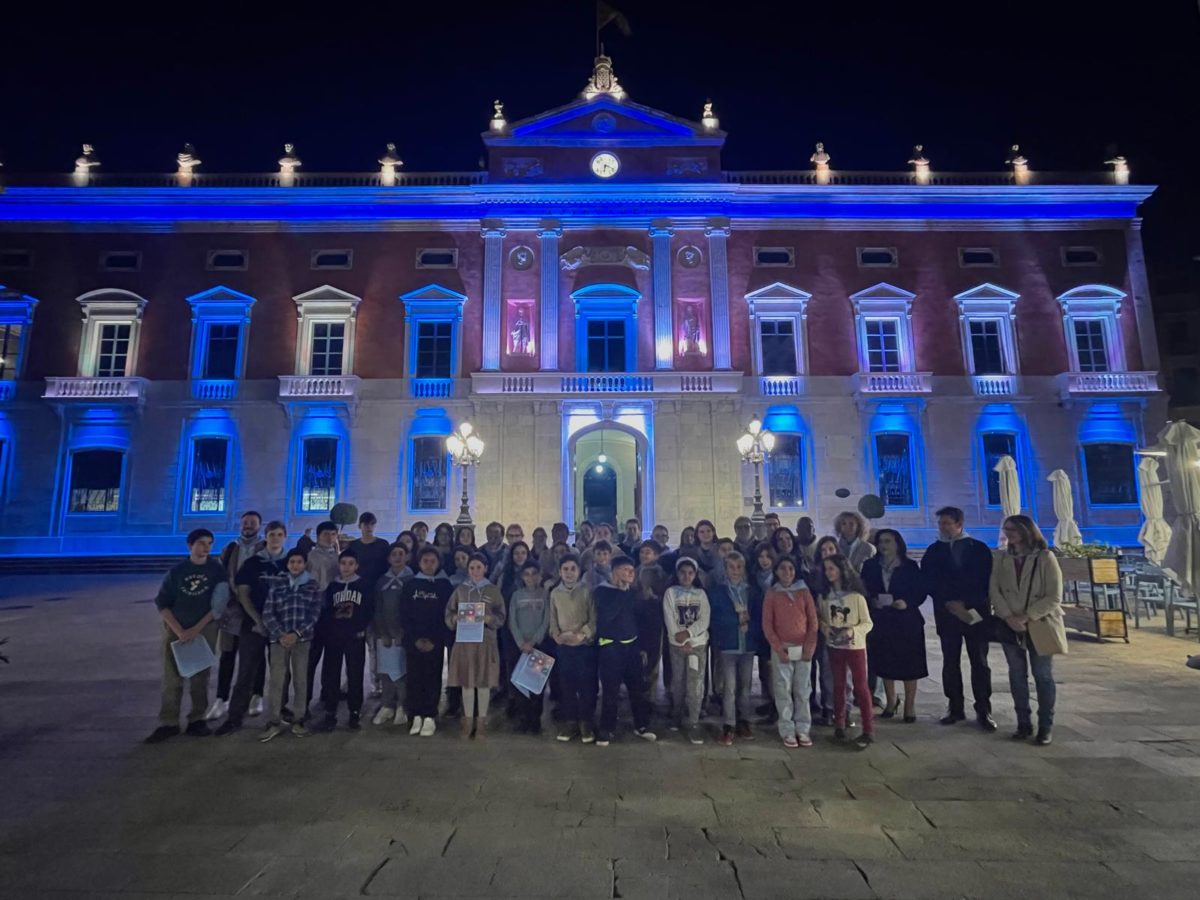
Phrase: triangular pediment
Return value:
(221, 295)
(779, 292)
(604, 121)
(434, 293)
(987, 291)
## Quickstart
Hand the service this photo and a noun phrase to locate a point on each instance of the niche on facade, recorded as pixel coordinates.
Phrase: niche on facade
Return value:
(691, 335)
(520, 328)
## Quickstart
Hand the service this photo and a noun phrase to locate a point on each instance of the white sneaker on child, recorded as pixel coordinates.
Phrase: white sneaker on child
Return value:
(216, 710)
(401, 717)
(256, 706)
(428, 727)
(416, 726)
(385, 714)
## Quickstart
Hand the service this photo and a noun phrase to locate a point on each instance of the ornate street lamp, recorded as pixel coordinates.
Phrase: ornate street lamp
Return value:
(755, 446)
(465, 449)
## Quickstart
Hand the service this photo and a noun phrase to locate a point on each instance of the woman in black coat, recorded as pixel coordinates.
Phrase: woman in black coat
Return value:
(896, 645)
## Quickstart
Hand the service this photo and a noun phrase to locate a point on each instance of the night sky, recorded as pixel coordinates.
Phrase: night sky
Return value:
(1070, 81)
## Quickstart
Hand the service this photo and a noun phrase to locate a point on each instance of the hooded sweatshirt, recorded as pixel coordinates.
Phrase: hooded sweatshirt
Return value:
(571, 609)
(388, 590)
(349, 607)
(293, 604)
(790, 618)
(686, 609)
(529, 615)
(422, 609)
(323, 565)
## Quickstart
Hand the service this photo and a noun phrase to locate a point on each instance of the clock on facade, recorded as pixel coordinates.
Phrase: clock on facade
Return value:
(605, 165)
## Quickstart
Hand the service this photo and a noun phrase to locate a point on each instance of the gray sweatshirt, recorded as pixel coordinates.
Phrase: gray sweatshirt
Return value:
(529, 615)
(323, 566)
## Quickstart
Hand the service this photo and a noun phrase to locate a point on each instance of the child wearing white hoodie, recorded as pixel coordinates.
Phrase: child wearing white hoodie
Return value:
(686, 613)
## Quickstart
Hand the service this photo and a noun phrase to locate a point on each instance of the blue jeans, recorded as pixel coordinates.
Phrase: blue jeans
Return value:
(1020, 661)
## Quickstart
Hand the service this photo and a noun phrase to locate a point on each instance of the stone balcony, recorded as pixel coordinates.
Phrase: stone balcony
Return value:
(591, 383)
(214, 388)
(1110, 383)
(895, 383)
(318, 387)
(96, 389)
(994, 385)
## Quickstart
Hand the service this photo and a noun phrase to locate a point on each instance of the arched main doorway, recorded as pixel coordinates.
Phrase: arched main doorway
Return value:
(608, 472)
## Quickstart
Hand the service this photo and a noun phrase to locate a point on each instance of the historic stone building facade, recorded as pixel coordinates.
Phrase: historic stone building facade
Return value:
(605, 304)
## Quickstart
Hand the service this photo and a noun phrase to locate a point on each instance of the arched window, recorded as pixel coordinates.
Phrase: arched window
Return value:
(428, 469)
(1107, 440)
(896, 453)
(785, 468)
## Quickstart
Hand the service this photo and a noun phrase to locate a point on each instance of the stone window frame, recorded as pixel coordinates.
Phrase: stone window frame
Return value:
(885, 301)
(109, 306)
(1095, 302)
(325, 304)
(779, 301)
(992, 303)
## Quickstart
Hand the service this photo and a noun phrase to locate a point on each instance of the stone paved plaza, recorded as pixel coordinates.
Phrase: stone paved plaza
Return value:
(929, 812)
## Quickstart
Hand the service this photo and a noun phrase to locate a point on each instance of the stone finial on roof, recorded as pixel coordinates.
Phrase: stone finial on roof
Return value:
(708, 118)
(603, 80)
(498, 123)
(1120, 169)
(289, 162)
(920, 164)
(820, 158)
(187, 160)
(390, 158)
(88, 161)
(1020, 165)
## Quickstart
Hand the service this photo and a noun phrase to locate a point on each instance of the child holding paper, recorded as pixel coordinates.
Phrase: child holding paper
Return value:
(389, 635)
(790, 626)
(528, 622)
(475, 665)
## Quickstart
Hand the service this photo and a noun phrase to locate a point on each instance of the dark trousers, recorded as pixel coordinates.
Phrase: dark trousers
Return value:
(315, 653)
(352, 649)
(622, 664)
(952, 637)
(228, 644)
(454, 701)
(577, 677)
(424, 682)
(252, 653)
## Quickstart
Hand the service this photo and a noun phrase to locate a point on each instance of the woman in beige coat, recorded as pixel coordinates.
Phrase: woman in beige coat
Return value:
(475, 667)
(1026, 594)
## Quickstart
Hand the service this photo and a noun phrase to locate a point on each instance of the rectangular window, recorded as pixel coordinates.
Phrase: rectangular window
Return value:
(785, 472)
(1090, 345)
(207, 489)
(778, 342)
(228, 261)
(883, 345)
(328, 345)
(995, 445)
(10, 350)
(429, 473)
(1110, 474)
(977, 257)
(120, 261)
(332, 259)
(767, 257)
(435, 350)
(95, 481)
(878, 257)
(16, 260)
(894, 466)
(221, 358)
(113, 358)
(318, 474)
(1080, 256)
(437, 258)
(987, 349)
(606, 345)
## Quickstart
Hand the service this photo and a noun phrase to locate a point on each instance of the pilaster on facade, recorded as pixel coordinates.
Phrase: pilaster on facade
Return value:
(549, 234)
(664, 341)
(717, 232)
(1139, 285)
(493, 260)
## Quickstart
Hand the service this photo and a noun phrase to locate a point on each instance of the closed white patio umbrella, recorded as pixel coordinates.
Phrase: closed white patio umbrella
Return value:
(1010, 490)
(1066, 531)
(1182, 443)
(1156, 533)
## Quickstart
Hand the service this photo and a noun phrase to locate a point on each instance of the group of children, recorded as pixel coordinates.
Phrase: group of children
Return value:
(604, 609)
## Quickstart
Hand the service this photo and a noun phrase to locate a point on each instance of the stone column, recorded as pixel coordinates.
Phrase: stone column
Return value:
(1139, 285)
(717, 232)
(549, 234)
(664, 338)
(493, 264)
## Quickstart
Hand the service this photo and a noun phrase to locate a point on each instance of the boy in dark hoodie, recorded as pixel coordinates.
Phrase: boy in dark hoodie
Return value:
(653, 582)
(620, 661)
(422, 620)
(345, 616)
(290, 614)
(390, 633)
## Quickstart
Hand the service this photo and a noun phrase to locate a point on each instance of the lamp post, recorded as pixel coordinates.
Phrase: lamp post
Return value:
(755, 446)
(466, 449)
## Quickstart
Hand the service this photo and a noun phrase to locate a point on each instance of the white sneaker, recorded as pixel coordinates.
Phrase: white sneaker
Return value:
(385, 714)
(416, 725)
(401, 718)
(256, 706)
(218, 708)
(428, 727)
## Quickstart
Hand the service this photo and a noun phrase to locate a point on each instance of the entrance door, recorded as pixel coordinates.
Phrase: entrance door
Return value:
(600, 494)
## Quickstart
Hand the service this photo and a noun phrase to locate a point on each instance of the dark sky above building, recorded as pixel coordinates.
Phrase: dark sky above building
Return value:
(1073, 82)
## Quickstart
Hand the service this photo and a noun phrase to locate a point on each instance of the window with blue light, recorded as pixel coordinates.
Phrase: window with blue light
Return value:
(221, 350)
(778, 342)
(10, 350)
(206, 490)
(1090, 345)
(435, 350)
(894, 468)
(328, 348)
(995, 445)
(883, 344)
(113, 359)
(429, 473)
(318, 474)
(606, 345)
(987, 348)
(95, 481)
(1111, 476)
(785, 472)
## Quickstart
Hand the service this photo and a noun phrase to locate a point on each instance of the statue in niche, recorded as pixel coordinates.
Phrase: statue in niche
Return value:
(521, 341)
(689, 331)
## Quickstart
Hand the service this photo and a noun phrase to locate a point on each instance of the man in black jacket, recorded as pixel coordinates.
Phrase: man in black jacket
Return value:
(957, 569)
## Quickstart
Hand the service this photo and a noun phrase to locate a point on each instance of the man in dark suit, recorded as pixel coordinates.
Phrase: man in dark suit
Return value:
(957, 569)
